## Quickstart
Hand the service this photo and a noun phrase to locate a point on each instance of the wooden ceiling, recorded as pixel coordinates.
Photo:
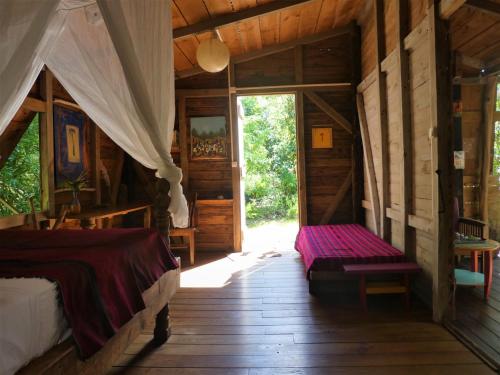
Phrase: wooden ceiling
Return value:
(255, 33)
(475, 33)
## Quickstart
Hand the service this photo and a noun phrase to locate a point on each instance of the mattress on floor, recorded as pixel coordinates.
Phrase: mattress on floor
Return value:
(329, 247)
(31, 321)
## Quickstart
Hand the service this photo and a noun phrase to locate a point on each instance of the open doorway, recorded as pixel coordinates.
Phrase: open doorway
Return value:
(268, 154)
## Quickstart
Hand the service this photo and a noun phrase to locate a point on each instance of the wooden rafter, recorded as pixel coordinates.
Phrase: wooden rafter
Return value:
(334, 204)
(329, 110)
(276, 48)
(486, 6)
(448, 7)
(230, 18)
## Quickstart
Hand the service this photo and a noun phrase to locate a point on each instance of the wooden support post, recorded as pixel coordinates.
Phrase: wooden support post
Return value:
(183, 143)
(117, 177)
(370, 167)
(162, 326)
(301, 148)
(235, 160)
(357, 149)
(47, 199)
(162, 200)
(96, 163)
(487, 130)
(385, 222)
(441, 135)
(405, 121)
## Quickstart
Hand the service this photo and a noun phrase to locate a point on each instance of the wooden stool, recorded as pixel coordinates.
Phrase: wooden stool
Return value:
(404, 269)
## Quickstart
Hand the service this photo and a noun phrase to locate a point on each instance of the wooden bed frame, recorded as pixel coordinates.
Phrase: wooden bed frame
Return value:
(62, 359)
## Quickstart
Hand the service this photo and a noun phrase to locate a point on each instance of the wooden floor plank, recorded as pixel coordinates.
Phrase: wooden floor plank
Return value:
(264, 322)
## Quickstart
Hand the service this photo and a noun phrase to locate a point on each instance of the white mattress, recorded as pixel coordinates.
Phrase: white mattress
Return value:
(31, 321)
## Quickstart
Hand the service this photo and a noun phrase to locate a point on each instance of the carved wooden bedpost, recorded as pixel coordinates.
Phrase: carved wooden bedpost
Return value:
(162, 219)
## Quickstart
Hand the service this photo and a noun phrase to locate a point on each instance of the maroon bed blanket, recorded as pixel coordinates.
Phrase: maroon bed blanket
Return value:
(101, 274)
(329, 247)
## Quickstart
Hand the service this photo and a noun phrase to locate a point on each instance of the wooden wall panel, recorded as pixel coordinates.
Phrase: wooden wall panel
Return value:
(417, 12)
(215, 225)
(327, 169)
(327, 61)
(209, 178)
(390, 35)
(368, 34)
(277, 69)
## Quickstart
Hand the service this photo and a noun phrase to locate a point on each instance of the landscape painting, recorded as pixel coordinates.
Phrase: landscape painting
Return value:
(208, 137)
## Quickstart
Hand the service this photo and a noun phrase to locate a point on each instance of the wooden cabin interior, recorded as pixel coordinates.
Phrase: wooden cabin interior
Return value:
(402, 202)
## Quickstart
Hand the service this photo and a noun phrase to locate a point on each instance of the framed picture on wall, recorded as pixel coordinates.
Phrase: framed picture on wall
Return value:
(208, 137)
(71, 155)
(322, 138)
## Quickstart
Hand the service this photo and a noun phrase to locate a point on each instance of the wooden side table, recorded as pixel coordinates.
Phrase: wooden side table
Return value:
(487, 249)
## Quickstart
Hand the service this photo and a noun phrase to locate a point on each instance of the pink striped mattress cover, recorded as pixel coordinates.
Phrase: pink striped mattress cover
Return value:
(329, 247)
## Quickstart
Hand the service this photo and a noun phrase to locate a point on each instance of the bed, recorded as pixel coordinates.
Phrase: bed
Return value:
(326, 248)
(131, 271)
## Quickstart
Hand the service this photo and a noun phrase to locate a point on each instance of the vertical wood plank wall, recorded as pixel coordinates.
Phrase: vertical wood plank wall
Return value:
(324, 170)
(420, 238)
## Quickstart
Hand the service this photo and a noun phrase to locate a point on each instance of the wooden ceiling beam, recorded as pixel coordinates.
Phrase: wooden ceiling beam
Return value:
(448, 7)
(486, 6)
(230, 18)
(252, 55)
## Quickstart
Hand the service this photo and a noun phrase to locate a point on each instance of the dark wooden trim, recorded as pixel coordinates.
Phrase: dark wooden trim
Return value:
(183, 141)
(230, 18)
(442, 163)
(402, 28)
(201, 93)
(301, 148)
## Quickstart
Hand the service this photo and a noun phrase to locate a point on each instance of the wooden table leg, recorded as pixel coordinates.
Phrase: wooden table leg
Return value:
(191, 248)
(147, 218)
(362, 292)
(407, 292)
(488, 272)
(473, 261)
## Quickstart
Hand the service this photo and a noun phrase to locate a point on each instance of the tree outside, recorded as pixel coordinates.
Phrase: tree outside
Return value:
(269, 138)
(20, 176)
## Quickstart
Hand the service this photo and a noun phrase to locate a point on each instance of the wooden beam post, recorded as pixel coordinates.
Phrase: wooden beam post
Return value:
(47, 199)
(441, 135)
(162, 200)
(96, 163)
(405, 121)
(385, 222)
(183, 141)
(235, 160)
(370, 167)
(301, 148)
(357, 144)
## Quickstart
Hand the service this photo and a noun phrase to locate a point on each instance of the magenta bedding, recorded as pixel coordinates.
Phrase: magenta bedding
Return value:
(329, 247)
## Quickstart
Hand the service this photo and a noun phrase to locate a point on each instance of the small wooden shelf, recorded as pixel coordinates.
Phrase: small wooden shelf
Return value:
(214, 202)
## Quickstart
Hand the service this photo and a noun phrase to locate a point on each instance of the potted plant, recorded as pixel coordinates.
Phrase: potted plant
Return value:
(76, 186)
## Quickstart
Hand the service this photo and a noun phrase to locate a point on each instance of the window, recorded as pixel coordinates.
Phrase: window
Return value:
(20, 176)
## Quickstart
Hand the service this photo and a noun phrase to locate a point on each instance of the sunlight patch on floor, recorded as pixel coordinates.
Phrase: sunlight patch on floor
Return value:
(261, 242)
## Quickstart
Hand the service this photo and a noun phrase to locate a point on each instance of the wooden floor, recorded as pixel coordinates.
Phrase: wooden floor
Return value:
(258, 318)
(479, 321)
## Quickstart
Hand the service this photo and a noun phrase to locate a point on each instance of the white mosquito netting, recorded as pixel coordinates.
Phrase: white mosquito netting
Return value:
(114, 57)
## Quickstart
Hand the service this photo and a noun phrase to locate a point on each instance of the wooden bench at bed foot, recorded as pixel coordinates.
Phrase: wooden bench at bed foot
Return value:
(386, 287)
